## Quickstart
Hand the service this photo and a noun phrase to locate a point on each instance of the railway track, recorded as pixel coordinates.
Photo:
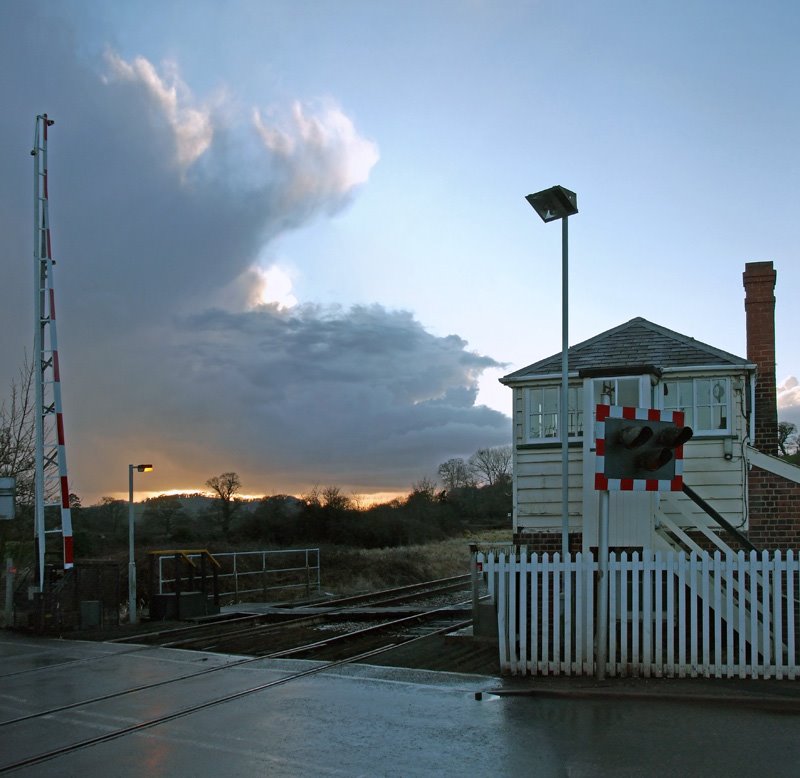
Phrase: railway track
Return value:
(268, 633)
(202, 636)
(355, 646)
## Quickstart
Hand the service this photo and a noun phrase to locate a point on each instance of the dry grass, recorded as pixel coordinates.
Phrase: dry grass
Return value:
(352, 570)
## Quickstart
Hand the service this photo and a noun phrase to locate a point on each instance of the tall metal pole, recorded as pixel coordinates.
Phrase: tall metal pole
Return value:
(551, 204)
(564, 409)
(39, 280)
(131, 558)
(601, 649)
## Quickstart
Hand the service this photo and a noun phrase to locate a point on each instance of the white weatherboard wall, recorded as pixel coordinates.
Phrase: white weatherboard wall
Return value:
(537, 475)
(537, 479)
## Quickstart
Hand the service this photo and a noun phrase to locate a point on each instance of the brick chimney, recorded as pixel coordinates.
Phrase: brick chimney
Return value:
(759, 305)
(773, 501)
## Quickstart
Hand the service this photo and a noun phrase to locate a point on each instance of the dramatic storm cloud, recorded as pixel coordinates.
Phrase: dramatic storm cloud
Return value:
(161, 204)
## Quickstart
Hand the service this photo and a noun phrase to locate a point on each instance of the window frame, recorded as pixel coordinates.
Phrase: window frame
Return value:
(593, 397)
(692, 421)
(575, 409)
(637, 379)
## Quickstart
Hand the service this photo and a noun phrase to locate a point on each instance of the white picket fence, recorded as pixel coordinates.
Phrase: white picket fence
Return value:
(670, 614)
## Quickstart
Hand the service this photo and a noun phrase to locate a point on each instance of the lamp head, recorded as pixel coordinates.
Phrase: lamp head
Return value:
(554, 203)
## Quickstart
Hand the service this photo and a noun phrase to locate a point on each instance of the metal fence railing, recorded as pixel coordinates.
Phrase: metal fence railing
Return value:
(247, 575)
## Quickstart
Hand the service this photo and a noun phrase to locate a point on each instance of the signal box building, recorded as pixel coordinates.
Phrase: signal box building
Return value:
(729, 401)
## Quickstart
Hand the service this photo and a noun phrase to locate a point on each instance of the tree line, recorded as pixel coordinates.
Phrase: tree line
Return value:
(470, 493)
(323, 515)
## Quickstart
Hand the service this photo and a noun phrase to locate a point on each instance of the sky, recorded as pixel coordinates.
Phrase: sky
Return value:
(292, 240)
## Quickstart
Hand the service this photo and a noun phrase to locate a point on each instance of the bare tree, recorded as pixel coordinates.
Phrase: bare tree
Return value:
(787, 435)
(455, 474)
(333, 499)
(425, 489)
(491, 465)
(226, 486)
(112, 513)
(313, 497)
(17, 433)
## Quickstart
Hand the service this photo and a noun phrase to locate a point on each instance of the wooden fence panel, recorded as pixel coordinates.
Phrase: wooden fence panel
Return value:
(669, 614)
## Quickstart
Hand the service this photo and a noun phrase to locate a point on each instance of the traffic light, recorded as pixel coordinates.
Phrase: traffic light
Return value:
(639, 448)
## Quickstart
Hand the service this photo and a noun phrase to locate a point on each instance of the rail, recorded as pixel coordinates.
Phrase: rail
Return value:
(718, 517)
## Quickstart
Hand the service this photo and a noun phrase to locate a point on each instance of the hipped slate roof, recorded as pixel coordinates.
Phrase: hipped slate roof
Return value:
(637, 342)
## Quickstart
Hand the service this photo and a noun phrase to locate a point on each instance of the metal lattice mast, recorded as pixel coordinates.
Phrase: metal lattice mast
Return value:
(52, 511)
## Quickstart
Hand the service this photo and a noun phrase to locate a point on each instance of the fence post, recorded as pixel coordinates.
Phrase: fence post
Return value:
(524, 609)
(177, 587)
(502, 611)
(777, 617)
(9, 591)
(473, 579)
(215, 577)
(264, 574)
(203, 582)
(308, 577)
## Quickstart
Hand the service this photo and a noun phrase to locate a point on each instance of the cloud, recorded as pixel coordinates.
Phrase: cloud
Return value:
(191, 126)
(363, 396)
(324, 156)
(175, 344)
(274, 285)
(789, 400)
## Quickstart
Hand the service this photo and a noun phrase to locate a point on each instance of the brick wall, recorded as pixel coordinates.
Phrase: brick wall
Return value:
(774, 511)
(548, 542)
(774, 503)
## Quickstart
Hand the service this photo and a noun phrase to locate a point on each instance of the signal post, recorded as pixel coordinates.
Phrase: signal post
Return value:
(638, 449)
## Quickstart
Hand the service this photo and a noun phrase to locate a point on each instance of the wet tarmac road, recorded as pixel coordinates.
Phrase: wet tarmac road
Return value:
(356, 721)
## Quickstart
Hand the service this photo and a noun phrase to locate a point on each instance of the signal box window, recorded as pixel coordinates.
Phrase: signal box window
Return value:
(615, 391)
(704, 401)
(542, 413)
(620, 391)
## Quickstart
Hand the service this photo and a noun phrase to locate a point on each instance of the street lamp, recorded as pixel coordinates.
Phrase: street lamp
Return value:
(131, 558)
(553, 204)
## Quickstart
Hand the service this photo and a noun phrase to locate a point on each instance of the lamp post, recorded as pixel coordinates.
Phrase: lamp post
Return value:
(553, 204)
(134, 619)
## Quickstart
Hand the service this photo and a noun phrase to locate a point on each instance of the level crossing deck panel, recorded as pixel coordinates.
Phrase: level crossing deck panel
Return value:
(350, 721)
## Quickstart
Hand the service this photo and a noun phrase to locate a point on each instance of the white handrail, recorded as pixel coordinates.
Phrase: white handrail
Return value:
(772, 464)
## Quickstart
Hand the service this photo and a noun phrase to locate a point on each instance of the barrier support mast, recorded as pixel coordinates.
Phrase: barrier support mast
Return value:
(52, 509)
